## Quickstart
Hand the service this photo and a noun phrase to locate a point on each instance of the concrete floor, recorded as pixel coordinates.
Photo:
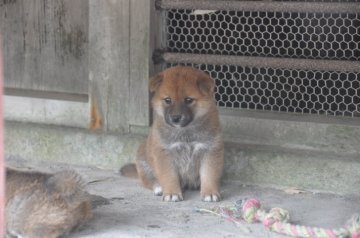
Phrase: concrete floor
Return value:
(125, 209)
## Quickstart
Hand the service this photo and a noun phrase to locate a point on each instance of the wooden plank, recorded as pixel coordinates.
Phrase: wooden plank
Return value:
(157, 40)
(265, 6)
(46, 44)
(12, 14)
(109, 63)
(140, 61)
(47, 111)
(2, 159)
(75, 97)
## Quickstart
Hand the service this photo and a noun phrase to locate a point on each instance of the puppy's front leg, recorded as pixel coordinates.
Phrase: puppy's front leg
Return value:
(168, 178)
(210, 174)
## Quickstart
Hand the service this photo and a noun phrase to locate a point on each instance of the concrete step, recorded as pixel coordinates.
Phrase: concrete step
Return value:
(304, 169)
(69, 145)
(310, 152)
(320, 167)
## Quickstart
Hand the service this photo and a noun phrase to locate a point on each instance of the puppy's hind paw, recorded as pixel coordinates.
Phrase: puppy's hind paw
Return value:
(211, 198)
(172, 198)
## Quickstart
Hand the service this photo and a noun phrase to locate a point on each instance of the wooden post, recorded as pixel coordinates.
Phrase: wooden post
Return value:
(109, 64)
(2, 161)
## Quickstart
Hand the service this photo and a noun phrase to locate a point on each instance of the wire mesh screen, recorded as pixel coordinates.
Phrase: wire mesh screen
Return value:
(300, 91)
(281, 34)
(322, 36)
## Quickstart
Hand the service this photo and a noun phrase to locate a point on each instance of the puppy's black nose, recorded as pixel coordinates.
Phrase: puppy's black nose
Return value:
(175, 118)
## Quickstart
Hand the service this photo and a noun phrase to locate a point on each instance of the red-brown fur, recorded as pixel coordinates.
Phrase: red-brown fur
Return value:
(44, 205)
(175, 157)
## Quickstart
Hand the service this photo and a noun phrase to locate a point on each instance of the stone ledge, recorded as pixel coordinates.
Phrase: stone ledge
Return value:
(248, 163)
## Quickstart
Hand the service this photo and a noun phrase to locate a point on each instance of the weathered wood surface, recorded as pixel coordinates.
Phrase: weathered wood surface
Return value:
(98, 50)
(140, 60)
(45, 44)
(109, 61)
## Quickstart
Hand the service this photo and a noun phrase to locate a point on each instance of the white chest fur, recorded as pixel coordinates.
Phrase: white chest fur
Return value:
(187, 158)
(193, 146)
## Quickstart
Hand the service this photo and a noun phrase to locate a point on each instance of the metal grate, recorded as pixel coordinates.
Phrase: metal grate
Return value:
(241, 50)
(300, 91)
(280, 34)
(305, 0)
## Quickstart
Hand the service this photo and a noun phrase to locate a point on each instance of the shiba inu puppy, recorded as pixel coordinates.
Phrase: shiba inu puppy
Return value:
(44, 205)
(184, 148)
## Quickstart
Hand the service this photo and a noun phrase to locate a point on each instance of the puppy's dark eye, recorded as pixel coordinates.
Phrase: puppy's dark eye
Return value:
(188, 100)
(167, 100)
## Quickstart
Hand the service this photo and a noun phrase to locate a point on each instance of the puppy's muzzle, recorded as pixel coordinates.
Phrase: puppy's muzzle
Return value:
(175, 119)
(178, 117)
(178, 120)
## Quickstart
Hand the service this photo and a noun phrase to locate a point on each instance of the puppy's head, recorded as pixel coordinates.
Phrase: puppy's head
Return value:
(181, 95)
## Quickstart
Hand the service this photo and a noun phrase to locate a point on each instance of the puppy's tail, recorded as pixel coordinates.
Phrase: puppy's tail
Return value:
(70, 187)
(67, 183)
(129, 170)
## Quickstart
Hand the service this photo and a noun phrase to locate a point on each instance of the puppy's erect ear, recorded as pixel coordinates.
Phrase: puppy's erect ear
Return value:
(205, 84)
(155, 82)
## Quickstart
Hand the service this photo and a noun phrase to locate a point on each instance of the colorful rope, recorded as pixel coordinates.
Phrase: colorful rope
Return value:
(277, 220)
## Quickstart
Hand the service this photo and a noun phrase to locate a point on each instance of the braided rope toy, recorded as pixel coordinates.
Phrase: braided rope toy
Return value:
(277, 220)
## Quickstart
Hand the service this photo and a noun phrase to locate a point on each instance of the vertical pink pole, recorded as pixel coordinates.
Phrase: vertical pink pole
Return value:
(2, 160)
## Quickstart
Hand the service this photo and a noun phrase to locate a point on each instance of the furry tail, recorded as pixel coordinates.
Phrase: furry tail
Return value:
(129, 170)
(70, 186)
(67, 183)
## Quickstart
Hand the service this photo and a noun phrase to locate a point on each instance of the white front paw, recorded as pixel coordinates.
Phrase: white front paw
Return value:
(211, 198)
(157, 190)
(172, 198)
